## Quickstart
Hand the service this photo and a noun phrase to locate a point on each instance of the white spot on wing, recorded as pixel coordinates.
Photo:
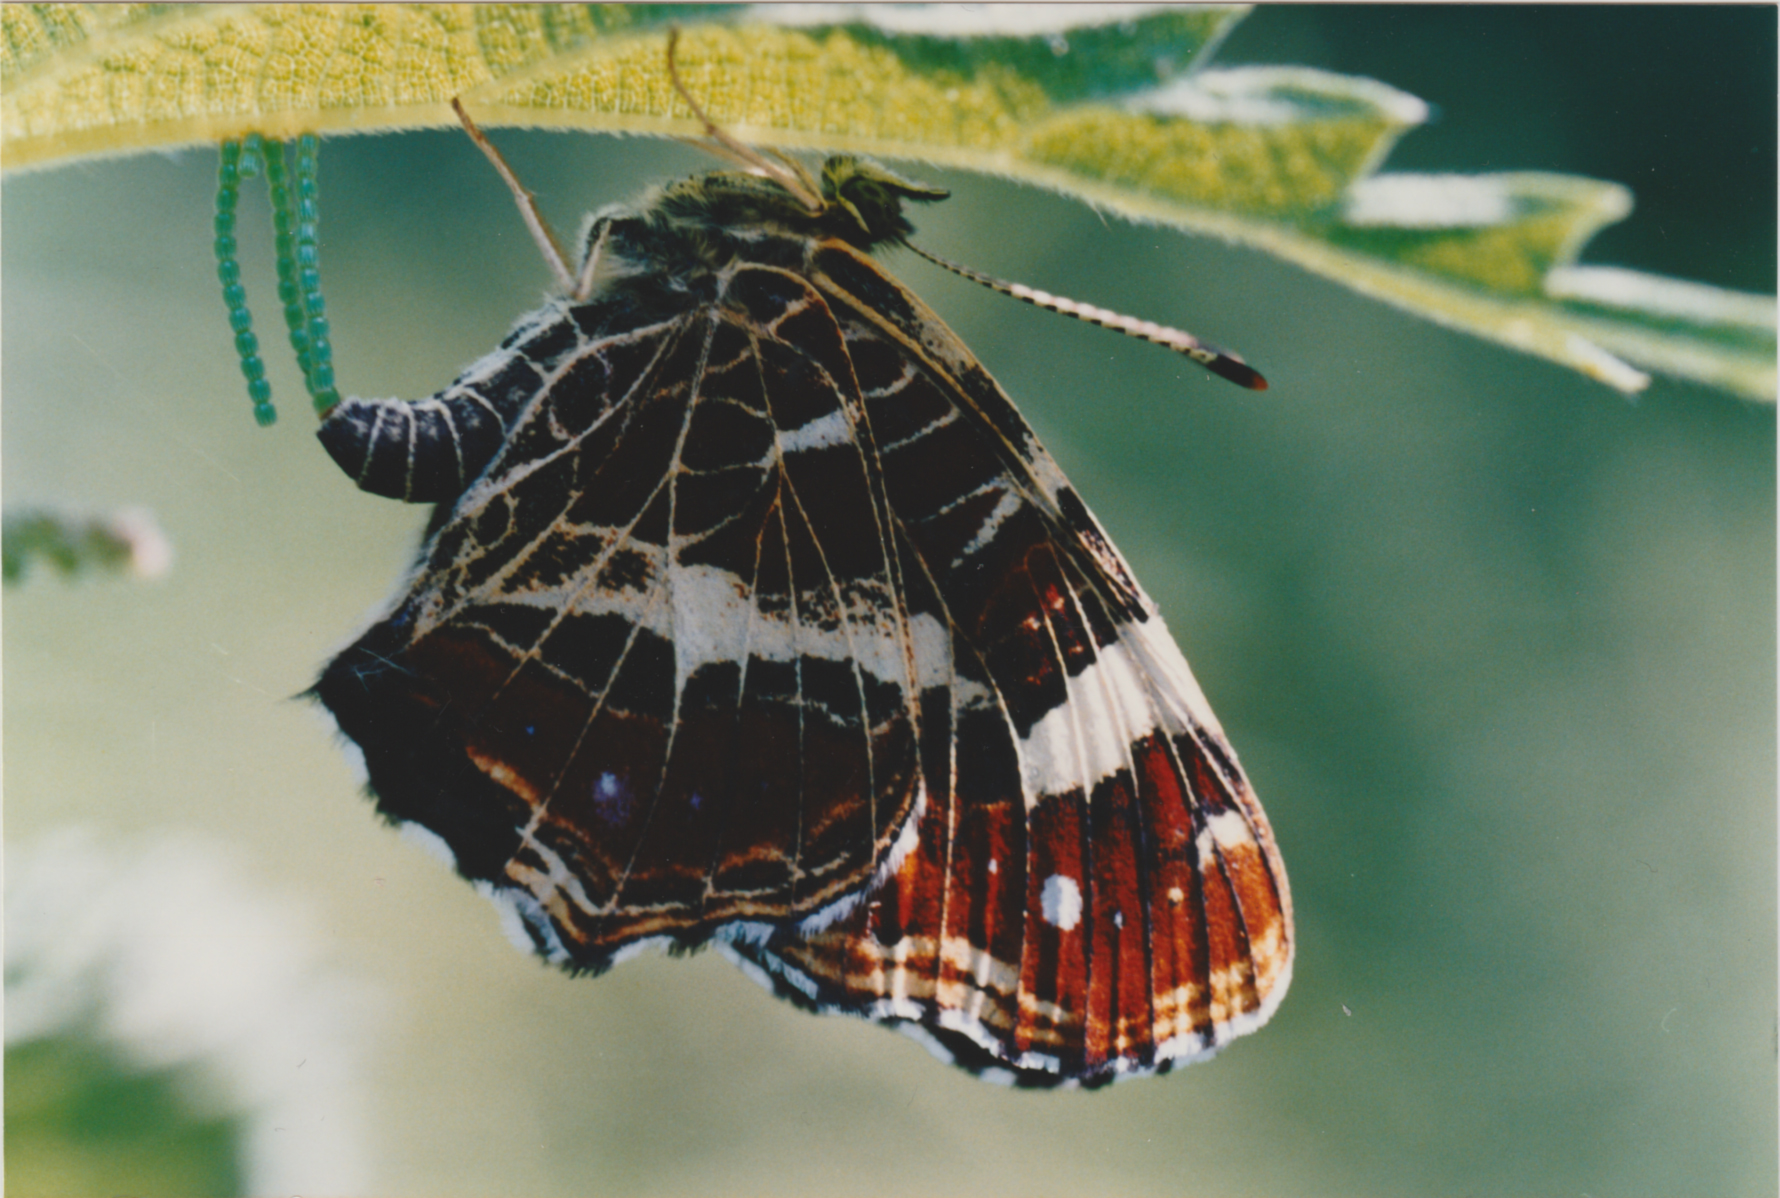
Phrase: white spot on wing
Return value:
(1223, 832)
(1230, 828)
(1062, 902)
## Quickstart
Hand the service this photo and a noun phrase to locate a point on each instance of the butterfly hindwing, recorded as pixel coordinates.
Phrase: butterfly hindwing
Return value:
(1094, 890)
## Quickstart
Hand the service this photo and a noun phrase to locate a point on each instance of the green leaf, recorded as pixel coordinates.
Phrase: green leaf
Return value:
(82, 1120)
(1111, 104)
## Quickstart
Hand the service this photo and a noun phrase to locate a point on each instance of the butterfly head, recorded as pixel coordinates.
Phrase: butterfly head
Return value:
(870, 197)
(854, 200)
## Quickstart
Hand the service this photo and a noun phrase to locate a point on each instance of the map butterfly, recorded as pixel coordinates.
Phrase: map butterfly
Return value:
(752, 613)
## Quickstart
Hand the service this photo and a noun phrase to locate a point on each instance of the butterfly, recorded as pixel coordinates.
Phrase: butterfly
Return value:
(752, 613)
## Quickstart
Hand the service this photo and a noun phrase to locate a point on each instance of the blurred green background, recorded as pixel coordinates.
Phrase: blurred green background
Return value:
(1496, 645)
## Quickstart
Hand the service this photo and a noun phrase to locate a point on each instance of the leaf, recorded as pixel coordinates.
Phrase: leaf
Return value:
(1113, 104)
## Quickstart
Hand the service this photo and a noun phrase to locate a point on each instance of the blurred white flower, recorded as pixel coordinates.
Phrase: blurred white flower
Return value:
(151, 553)
(166, 951)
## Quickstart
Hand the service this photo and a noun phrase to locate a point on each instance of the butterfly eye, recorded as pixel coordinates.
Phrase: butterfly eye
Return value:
(874, 195)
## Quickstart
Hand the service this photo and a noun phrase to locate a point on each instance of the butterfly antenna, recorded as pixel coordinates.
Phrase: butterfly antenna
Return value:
(1220, 362)
(528, 204)
(734, 150)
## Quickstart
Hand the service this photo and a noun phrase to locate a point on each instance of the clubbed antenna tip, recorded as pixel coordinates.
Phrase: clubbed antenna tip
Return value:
(1220, 362)
(1229, 366)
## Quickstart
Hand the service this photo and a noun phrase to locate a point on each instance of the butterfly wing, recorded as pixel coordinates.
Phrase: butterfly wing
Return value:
(1094, 890)
(654, 675)
(770, 620)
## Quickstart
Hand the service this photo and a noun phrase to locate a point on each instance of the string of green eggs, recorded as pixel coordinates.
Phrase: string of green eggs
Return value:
(293, 188)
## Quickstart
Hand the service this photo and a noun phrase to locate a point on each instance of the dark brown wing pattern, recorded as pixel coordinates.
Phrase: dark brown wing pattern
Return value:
(755, 613)
(655, 674)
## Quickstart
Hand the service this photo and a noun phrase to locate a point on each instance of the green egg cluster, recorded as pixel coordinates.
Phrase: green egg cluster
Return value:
(292, 181)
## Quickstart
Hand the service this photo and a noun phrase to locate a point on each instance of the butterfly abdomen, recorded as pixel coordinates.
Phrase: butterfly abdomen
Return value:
(429, 450)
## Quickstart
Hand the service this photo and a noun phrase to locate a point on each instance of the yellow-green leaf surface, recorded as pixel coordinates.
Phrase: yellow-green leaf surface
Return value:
(1115, 104)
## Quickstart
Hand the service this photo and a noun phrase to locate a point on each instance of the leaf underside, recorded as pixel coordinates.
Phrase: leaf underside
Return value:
(1112, 104)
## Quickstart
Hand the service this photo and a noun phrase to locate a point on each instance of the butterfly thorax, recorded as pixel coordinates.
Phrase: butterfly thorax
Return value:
(715, 218)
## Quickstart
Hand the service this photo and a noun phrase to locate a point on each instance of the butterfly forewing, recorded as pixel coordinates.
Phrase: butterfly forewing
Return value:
(754, 611)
